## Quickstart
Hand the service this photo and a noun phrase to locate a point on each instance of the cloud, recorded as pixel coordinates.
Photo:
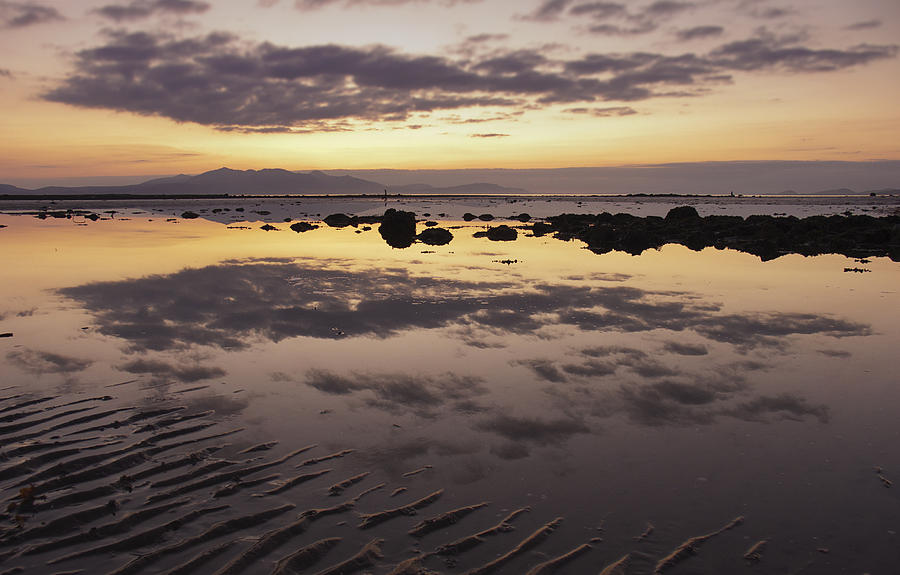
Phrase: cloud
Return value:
(865, 25)
(603, 112)
(489, 135)
(23, 14)
(4, 73)
(139, 9)
(40, 362)
(685, 348)
(699, 32)
(784, 406)
(220, 81)
(318, 4)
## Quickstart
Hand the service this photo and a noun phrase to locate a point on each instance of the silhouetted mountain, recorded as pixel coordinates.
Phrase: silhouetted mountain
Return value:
(226, 181)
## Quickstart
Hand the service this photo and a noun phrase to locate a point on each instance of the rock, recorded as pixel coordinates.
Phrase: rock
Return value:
(339, 220)
(541, 229)
(6, 334)
(468, 216)
(268, 228)
(502, 234)
(523, 217)
(189, 215)
(682, 213)
(398, 228)
(486, 217)
(431, 223)
(435, 236)
(300, 227)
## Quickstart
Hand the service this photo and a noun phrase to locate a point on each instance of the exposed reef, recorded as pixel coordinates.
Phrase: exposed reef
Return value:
(768, 237)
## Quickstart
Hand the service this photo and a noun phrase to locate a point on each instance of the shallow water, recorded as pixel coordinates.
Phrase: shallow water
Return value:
(676, 388)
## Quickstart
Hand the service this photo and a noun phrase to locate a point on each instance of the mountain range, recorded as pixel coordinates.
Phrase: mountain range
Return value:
(261, 182)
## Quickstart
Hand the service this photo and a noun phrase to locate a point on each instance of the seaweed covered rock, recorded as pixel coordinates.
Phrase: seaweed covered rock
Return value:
(435, 236)
(398, 228)
(682, 213)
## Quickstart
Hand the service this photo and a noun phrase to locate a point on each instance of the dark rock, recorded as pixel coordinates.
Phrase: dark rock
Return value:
(398, 228)
(264, 212)
(523, 217)
(268, 228)
(431, 223)
(486, 217)
(189, 215)
(682, 213)
(435, 236)
(92, 217)
(502, 234)
(303, 227)
(6, 335)
(541, 229)
(239, 209)
(339, 220)
(469, 216)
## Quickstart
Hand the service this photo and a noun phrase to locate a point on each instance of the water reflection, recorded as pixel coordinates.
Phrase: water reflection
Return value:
(230, 305)
(239, 304)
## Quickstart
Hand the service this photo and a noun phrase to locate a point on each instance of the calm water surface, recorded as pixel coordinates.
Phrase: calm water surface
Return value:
(677, 388)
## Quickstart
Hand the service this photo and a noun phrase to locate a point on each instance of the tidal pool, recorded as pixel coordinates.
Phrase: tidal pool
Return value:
(645, 400)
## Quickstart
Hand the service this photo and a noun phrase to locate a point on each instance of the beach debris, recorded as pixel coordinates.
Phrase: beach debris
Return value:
(754, 554)
(527, 544)
(690, 547)
(551, 565)
(444, 519)
(371, 519)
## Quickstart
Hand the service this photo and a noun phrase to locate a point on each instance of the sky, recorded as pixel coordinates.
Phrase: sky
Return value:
(107, 90)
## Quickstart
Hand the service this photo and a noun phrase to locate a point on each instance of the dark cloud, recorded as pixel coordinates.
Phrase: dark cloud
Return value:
(700, 32)
(318, 4)
(769, 330)
(161, 370)
(764, 53)
(4, 73)
(603, 112)
(549, 10)
(217, 80)
(139, 9)
(685, 348)
(865, 25)
(45, 362)
(533, 430)
(544, 369)
(489, 135)
(23, 14)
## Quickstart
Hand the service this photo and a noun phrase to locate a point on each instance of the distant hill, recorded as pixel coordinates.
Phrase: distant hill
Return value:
(260, 182)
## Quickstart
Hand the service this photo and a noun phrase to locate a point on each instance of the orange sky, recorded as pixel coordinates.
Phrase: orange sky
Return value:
(132, 87)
